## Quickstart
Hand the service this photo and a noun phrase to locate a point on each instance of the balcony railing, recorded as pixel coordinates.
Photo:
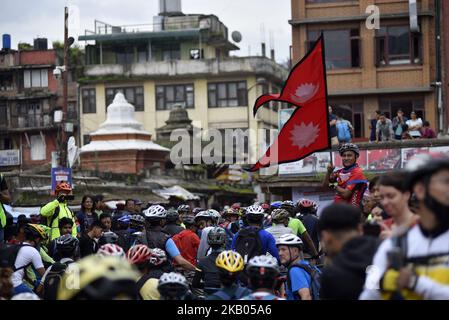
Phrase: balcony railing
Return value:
(31, 121)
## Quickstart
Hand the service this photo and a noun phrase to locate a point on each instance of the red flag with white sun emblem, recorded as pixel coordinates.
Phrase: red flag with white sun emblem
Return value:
(307, 130)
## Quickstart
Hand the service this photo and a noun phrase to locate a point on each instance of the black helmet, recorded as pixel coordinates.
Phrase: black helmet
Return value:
(172, 215)
(197, 210)
(216, 236)
(349, 147)
(108, 237)
(67, 245)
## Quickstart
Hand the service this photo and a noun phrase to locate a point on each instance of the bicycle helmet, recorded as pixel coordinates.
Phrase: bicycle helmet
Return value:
(184, 208)
(422, 166)
(108, 237)
(216, 236)
(136, 220)
(255, 210)
(155, 212)
(214, 214)
(26, 296)
(349, 147)
(203, 215)
(35, 231)
(262, 263)
(63, 186)
(230, 261)
(276, 204)
(230, 212)
(111, 249)
(138, 254)
(157, 257)
(173, 286)
(172, 215)
(290, 240)
(67, 245)
(196, 210)
(306, 205)
(125, 219)
(98, 278)
(236, 206)
(279, 215)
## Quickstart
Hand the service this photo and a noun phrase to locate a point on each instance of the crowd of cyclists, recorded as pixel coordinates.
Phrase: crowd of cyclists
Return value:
(387, 238)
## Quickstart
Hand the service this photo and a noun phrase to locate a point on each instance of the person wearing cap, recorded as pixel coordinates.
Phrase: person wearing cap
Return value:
(414, 265)
(57, 209)
(348, 182)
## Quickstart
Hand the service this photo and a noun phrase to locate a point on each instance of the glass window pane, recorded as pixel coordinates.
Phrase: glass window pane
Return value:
(170, 93)
(212, 99)
(222, 91)
(35, 78)
(338, 51)
(233, 103)
(222, 103)
(398, 40)
(232, 87)
(180, 93)
(44, 78)
(27, 79)
(129, 95)
(189, 99)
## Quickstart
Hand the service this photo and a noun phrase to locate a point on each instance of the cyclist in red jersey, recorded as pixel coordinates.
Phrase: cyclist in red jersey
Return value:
(348, 182)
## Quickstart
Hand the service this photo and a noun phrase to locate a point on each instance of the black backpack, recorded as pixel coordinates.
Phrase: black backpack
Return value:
(8, 255)
(248, 243)
(52, 280)
(156, 239)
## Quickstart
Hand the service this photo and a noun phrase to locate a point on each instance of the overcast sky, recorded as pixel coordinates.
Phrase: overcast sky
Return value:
(28, 19)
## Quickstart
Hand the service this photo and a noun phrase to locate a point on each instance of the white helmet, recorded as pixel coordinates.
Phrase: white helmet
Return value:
(214, 214)
(263, 261)
(173, 278)
(25, 296)
(256, 210)
(203, 214)
(289, 240)
(111, 249)
(155, 212)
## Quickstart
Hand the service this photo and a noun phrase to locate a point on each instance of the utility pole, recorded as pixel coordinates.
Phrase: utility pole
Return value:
(63, 145)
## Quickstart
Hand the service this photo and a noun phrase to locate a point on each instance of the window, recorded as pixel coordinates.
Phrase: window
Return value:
(167, 96)
(30, 114)
(142, 53)
(36, 78)
(391, 106)
(227, 94)
(171, 52)
(6, 81)
(342, 47)
(275, 104)
(125, 55)
(396, 45)
(353, 112)
(134, 95)
(86, 139)
(3, 115)
(89, 101)
(37, 148)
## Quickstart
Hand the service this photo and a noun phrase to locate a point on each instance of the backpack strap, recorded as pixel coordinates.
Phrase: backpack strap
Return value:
(54, 216)
(21, 245)
(304, 267)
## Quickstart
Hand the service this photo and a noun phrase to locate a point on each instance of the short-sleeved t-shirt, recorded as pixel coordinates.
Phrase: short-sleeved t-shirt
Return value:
(27, 255)
(351, 178)
(297, 226)
(299, 279)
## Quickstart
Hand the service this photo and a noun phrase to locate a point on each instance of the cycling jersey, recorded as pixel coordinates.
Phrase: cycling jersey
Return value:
(429, 258)
(351, 178)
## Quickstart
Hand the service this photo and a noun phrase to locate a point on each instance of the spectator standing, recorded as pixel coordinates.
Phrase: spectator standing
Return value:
(384, 127)
(414, 125)
(333, 127)
(427, 132)
(399, 123)
(372, 126)
(344, 129)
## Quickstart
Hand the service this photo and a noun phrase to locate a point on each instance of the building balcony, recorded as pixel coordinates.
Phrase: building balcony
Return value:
(31, 122)
(237, 66)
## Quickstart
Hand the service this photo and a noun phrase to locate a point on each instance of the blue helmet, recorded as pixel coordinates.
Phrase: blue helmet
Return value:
(276, 204)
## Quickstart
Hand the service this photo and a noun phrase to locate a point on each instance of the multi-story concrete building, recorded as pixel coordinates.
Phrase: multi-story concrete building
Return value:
(29, 97)
(389, 68)
(179, 59)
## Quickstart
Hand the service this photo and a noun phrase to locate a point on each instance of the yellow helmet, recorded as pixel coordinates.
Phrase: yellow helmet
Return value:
(230, 261)
(37, 230)
(98, 278)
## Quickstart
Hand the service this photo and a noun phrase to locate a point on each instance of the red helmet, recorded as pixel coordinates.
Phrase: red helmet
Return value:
(111, 249)
(138, 254)
(265, 206)
(63, 186)
(307, 204)
(236, 206)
